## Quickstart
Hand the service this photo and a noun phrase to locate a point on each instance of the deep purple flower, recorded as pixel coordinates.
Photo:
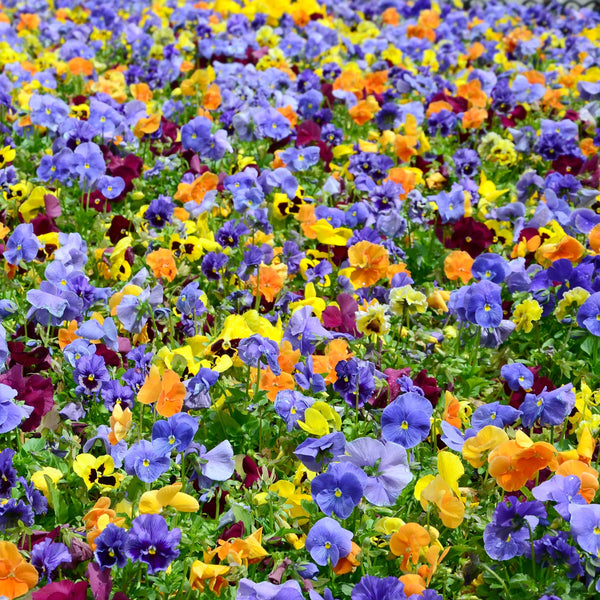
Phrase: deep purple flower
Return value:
(375, 588)
(198, 387)
(90, 373)
(385, 465)
(114, 393)
(328, 541)
(12, 511)
(143, 460)
(407, 420)
(508, 534)
(551, 550)
(48, 555)
(8, 475)
(160, 211)
(150, 541)
(339, 489)
(111, 547)
(317, 453)
(466, 163)
(212, 263)
(355, 381)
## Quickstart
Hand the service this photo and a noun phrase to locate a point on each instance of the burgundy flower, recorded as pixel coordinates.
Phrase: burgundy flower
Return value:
(119, 228)
(33, 361)
(62, 590)
(35, 391)
(342, 319)
(429, 386)
(568, 165)
(389, 392)
(234, 531)
(307, 132)
(468, 235)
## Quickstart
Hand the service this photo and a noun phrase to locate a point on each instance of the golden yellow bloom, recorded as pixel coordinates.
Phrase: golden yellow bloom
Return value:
(526, 313)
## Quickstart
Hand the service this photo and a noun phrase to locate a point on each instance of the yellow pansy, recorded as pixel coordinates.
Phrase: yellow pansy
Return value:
(154, 501)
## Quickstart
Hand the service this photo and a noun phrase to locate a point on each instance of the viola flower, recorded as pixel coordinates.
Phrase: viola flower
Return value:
(111, 547)
(47, 556)
(17, 576)
(11, 414)
(212, 465)
(406, 421)
(12, 511)
(550, 408)
(150, 541)
(96, 470)
(495, 414)
(176, 432)
(565, 491)
(518, 376)
(23, 245)
(143, 461)
(8, 475)
(585, 527)
(290, 406)
(376, 588)
(256, 348)
(588, 315)
(385, 465)
(369, 263)
(339, 490)
(508, 534)
(166, 393)
(328, 541)
(90, 374)
(483, 304)
(317, 453)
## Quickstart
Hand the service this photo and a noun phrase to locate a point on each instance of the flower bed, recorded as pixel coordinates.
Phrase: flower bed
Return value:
(299, 300)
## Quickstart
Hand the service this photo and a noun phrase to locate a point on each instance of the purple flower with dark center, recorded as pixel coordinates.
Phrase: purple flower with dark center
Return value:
(551, 550)
(588, 315)
(290, 406)
(356, 381)
(114, 393)
(550, 408)
(22, 245)
(177, 432)
(143, 460)
(385, 465)
(376, 588)
(8, 475)
(328, 541)
(111, 547)
(317, 453)
(508, 534)
(212, 263)
(12, 511)
(495, 414)
(150, 541)
(585, 527)
(407, 420)
(466, 163)
(160, 211)
(518, 376)
(338, 490)
(48, 555)
(90, 374)
(256, 349)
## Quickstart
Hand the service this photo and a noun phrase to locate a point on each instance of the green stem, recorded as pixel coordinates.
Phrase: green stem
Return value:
(491, 572)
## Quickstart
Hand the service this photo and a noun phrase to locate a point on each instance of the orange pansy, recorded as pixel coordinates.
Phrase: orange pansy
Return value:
(17, 576)
(162, 263)
(457, 265)
(167, 392)
(369, 262)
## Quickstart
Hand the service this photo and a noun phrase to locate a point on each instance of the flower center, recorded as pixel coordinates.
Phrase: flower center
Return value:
(404, 425)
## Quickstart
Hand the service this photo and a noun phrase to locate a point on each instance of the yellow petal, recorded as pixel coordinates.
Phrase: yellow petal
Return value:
(149, 504)
(451, 469)
(185, 503)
